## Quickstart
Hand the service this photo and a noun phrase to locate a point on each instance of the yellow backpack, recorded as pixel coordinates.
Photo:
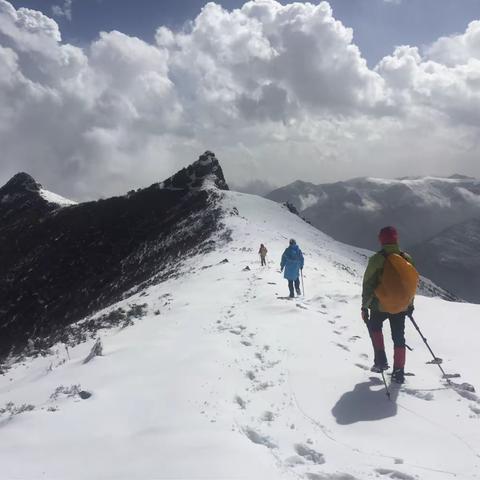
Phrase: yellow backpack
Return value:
(398, 284)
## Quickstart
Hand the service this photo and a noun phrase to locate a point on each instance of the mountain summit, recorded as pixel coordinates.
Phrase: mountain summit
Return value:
(205, 169)
(21, 182)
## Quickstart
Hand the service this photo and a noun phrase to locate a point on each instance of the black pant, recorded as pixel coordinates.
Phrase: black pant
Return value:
(397, 325)
(297, 286)
(263, 260)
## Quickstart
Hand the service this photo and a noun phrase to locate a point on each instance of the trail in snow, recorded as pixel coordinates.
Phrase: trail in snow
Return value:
(345, 410)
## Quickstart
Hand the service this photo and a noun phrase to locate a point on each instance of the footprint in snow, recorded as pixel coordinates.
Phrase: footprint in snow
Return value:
(363, 367)
(343, 347)
(475, 409)
(394, 474)
(257, 438)
(267, 416)
(309, 454)
(259, 356)
(428, 396)
(331, 476)
(354, 338)
(263, 386)
(294, 461)
(245, 343)
(240, 402)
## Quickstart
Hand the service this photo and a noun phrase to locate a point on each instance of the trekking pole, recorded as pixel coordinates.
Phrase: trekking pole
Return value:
(303, 285)
(387, 391)
(436, 360)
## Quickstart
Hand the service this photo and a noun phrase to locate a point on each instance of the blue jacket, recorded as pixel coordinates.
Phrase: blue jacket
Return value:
(292, 262)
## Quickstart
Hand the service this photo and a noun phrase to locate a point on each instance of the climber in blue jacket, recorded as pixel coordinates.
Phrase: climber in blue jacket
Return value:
(292, 263)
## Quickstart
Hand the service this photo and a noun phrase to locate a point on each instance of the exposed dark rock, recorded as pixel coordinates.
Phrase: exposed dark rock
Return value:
(59, 265)
(20, 200)
(291, 208)
(205, 168)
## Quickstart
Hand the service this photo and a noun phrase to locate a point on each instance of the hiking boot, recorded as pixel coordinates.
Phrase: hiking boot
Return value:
(298, 291)
(379, 367)
(398, 375)
(380, 362)
(291, 295)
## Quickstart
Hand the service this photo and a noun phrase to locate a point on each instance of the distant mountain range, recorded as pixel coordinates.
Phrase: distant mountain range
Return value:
(452, 257)
(433, 216)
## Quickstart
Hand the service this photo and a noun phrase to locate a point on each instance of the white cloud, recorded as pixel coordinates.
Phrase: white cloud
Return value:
(64, 10)
(279, 92)
(457, 49)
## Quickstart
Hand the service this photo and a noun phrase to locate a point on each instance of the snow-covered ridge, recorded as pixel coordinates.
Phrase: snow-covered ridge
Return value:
(220, 378)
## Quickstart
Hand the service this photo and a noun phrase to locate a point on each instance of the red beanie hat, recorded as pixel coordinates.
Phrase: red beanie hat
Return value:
(388, 235)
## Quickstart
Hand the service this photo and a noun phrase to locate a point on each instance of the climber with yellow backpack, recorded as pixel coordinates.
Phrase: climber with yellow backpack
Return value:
(389, 286)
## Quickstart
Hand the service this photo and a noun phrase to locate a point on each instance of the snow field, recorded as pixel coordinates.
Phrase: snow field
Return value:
(228, 381)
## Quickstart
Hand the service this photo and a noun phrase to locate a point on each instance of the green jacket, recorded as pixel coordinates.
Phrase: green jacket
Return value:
(372, 275)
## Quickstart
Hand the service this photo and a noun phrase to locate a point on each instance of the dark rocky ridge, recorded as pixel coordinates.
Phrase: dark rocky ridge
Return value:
(20, 199)
(58, 265)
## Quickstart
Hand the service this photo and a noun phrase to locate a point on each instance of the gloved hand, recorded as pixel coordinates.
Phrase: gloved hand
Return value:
(365, 316)
(410, 310)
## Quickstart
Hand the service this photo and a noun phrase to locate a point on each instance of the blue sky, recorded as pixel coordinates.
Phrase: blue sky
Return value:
(379, 25)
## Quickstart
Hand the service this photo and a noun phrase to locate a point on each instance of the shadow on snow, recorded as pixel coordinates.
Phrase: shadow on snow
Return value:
(366, 404)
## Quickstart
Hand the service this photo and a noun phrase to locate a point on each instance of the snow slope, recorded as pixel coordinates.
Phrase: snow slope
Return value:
(55, 198)
(223, 380)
